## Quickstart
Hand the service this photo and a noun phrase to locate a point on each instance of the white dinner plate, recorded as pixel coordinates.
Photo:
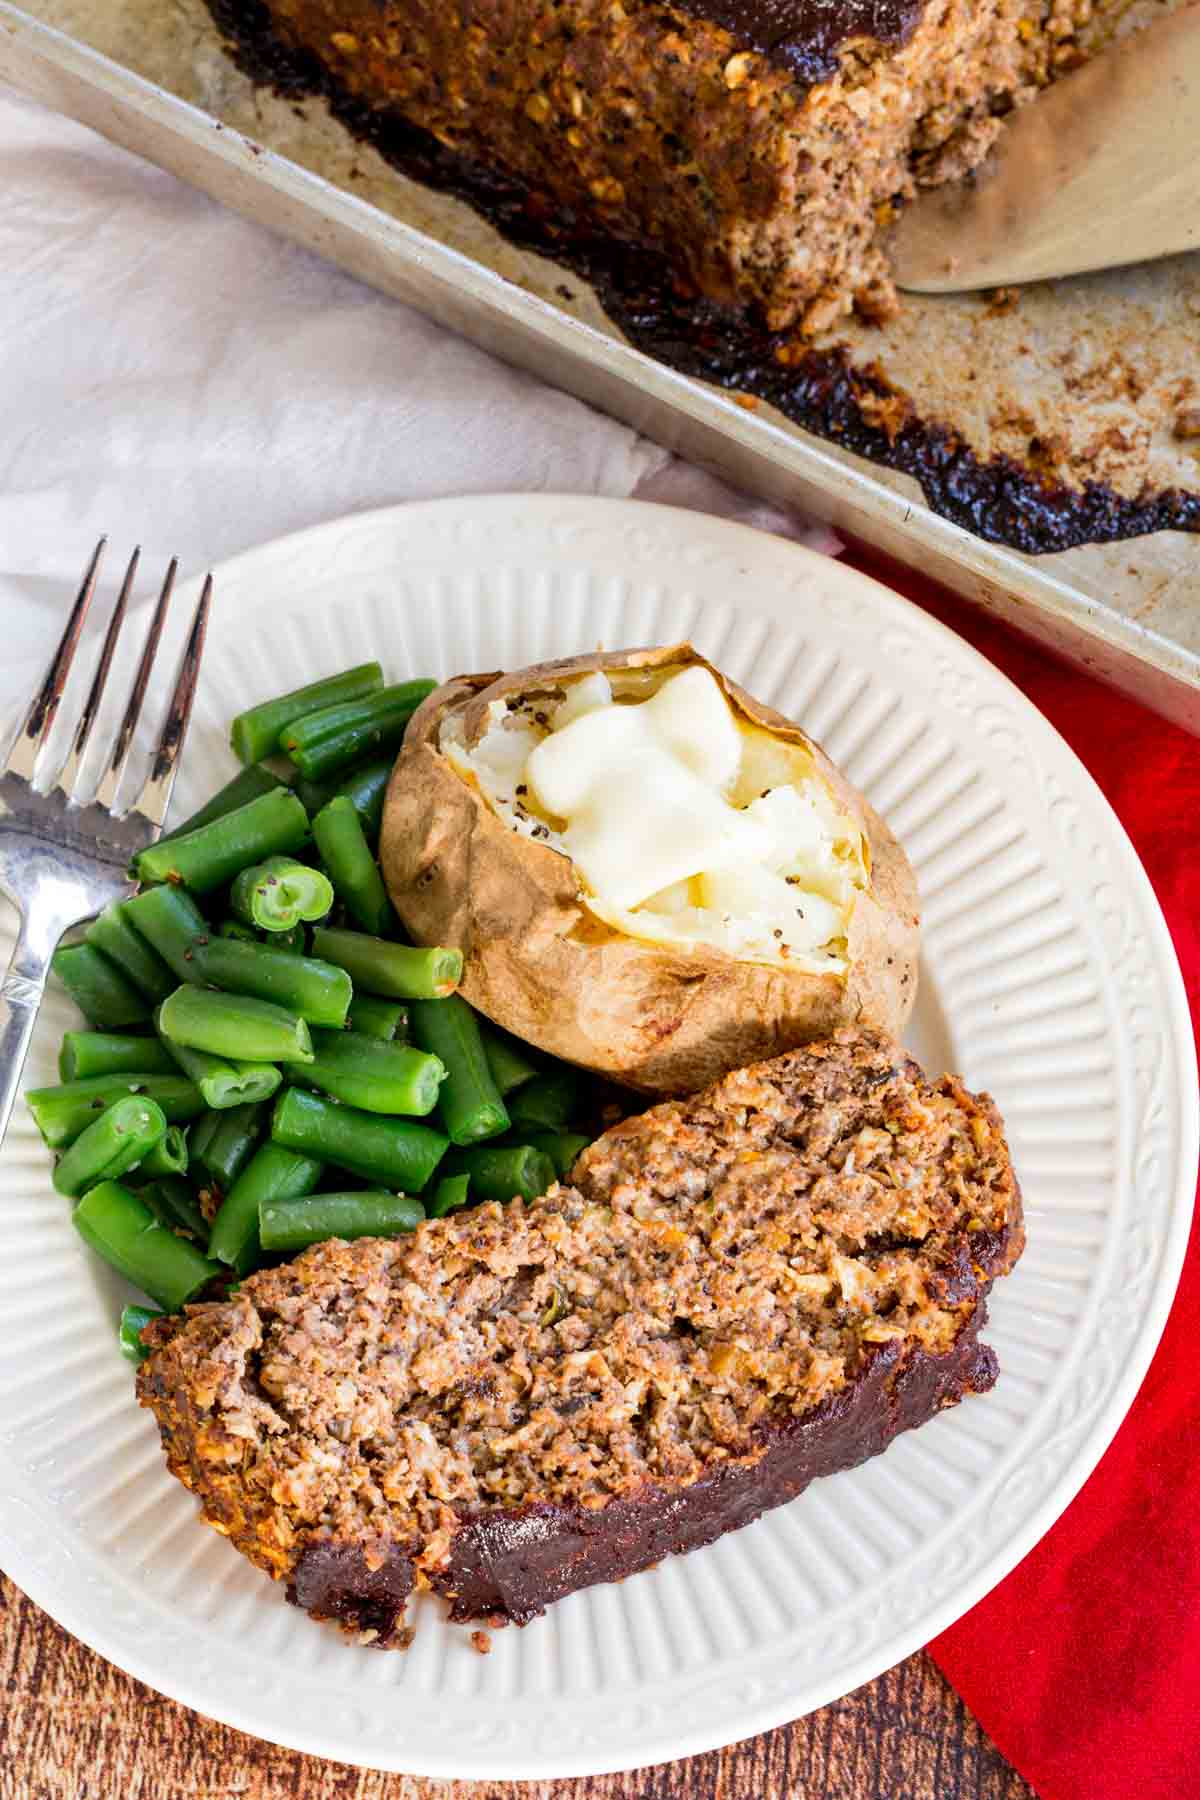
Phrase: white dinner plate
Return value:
(1047, 977)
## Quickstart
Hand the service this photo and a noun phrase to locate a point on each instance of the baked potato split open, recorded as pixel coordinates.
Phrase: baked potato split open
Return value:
(648, 872)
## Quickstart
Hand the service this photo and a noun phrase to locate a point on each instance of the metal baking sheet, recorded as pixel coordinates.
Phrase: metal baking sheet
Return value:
(1097, 367)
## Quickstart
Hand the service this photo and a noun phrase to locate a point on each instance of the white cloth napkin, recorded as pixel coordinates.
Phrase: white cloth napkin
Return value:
(178, 377)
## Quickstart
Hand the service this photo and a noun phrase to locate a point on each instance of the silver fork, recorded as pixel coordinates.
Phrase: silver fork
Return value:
(64, 853)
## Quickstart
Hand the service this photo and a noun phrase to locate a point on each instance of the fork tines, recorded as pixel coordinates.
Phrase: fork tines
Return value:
(34, 731)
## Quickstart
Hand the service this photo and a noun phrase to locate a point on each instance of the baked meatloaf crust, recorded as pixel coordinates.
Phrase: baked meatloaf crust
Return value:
(738, 1293)
(762, 145)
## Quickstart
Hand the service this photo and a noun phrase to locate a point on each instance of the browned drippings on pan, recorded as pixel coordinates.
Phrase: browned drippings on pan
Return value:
(997, 497)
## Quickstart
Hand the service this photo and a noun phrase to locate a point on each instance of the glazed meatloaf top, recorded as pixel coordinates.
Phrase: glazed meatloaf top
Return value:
(805, 35)
(808, 1234)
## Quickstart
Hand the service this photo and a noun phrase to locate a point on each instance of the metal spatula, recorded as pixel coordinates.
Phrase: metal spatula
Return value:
(1101, 170)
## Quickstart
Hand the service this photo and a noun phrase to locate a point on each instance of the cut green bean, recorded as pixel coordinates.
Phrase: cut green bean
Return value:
(399, 971)
(256, 732)
(134, 1320)
(277, 894)
(346, 854)
(174, 1205)
(113, 935)
(168, 1157)
(272, 825)
(547, 1103)
(502, 1171)
(451, 1192)
(327, 742)
(224, 1024)
(171, 921)
(61, 1113)
(318, 991)
(233, 928)
(469, 1103)
(387, 1019)
(87, 1053)
(112, 1145)
(562, 1147)
(294, 1224)
(508, 1059)
(366, 790)
(247, 784)
(103, 995)
(123, 1230)
(397, 1153)
(201, 1133)
(224, 1155)
(378, 1077)
(272, 1174)
(223, 1082)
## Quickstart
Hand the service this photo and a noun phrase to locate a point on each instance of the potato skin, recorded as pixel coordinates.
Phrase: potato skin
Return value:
(538, 962)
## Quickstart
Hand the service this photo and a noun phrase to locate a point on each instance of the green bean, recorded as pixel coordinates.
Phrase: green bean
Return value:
(223, 1082)
(387, 1019)
(233, 928)
(318, 991)
(365, 786)
(396, 1153)
(451, 1192)
(503, 1171)
(123, 1230)
(134, 1320)
(401, 971)
(256, 732)
(272, 1174)
(247, 784)
(100, 991)
(294, 1224)
(168, 1157)
(546, 1103)
(201, 1133)
(224, 1155)
(562, 1147)
(224, 1024)
(61, 1113)
(327, 742)
(112, 1145)
(338, 835)
(508, 1059)
(378, 1077)
(174, 1205)
(469, 1103)
(366, 790)
(86, 1053)
(171, 921)
(113, 935)
(272, 825)
(277, 894)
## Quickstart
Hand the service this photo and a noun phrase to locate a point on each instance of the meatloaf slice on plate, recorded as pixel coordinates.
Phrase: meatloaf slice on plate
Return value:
(761, 144)
(737, 1293)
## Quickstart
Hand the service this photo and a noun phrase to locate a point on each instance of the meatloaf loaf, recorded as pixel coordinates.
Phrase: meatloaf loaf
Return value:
(761, 144)
(737, 1293)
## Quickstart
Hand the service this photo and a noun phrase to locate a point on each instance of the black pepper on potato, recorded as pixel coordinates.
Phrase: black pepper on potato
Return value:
(665, 992)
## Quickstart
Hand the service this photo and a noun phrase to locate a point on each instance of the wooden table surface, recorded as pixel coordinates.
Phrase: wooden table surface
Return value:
(73, 1728)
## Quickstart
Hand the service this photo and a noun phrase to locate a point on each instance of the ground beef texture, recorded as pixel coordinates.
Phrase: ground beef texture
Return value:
(736, 1294)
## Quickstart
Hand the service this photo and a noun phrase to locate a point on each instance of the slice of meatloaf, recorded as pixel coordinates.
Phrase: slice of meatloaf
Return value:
(739, 1292)
(761, 144)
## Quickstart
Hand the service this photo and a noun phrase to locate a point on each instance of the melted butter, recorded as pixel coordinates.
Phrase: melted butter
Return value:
(685, 825)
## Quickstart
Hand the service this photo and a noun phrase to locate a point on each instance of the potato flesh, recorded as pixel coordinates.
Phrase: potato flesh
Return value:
(686, 825)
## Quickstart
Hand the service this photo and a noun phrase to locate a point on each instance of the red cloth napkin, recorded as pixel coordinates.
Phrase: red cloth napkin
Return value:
(1084, 1664)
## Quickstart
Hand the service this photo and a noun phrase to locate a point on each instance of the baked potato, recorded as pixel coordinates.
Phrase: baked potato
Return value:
(648, 872)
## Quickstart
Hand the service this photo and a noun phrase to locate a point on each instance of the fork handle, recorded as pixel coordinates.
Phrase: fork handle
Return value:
(20, 996)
